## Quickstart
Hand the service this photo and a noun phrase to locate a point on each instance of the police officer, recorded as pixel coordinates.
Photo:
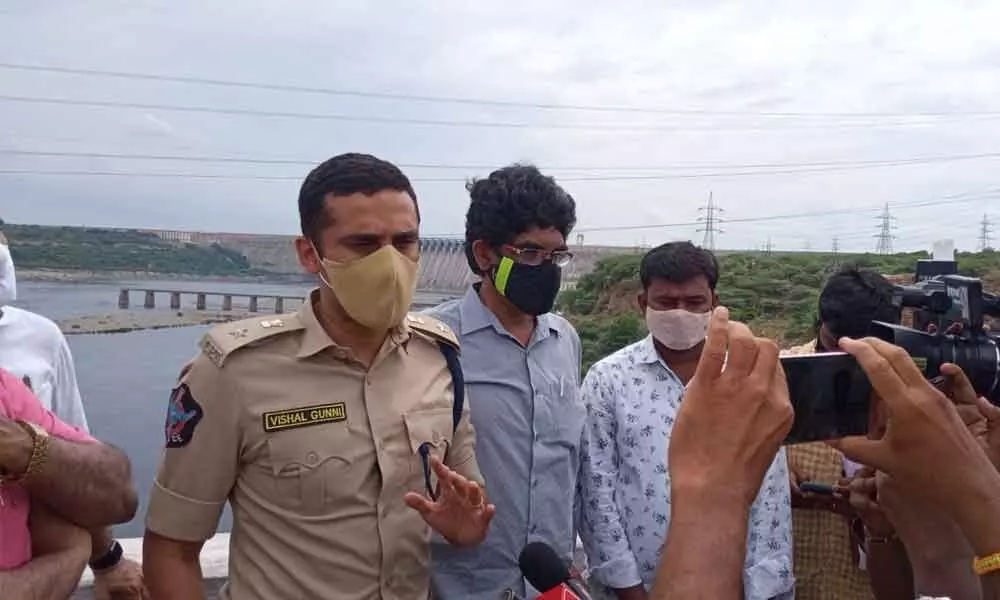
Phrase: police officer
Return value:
(330, 431)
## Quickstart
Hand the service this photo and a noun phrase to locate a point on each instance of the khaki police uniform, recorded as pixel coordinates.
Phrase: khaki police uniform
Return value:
(315, 454)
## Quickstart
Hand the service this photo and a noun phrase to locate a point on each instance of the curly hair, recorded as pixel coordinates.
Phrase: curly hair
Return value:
(678, 262)
(513, 200)
(343, 175)
(852, 298)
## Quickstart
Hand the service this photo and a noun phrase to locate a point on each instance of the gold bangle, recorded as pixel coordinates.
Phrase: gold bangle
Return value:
(986, 564)
(39, 450)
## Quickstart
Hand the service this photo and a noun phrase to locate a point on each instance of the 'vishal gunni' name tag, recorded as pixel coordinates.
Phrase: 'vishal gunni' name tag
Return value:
(303, 417)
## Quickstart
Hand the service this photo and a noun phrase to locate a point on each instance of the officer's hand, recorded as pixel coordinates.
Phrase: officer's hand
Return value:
(121, 582)
(460, 514)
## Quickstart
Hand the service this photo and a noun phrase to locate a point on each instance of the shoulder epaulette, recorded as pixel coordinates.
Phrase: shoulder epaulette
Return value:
(432, 328)
(227, 338)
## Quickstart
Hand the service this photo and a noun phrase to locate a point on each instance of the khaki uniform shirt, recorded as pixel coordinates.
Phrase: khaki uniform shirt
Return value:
(825, 564)
(314, 453)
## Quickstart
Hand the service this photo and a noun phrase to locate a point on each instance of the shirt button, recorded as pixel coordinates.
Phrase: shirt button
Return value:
(436, 438)
(312, 458)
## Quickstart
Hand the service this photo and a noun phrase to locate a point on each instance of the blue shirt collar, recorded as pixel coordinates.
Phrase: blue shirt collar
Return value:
(475, 316)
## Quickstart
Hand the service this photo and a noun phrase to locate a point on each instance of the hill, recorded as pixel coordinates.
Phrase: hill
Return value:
(110, 250)
(775, 295)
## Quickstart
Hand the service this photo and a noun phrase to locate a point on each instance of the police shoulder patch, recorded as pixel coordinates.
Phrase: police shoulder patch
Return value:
(183, 415)
(432, 328)
(293, 418)
(223, 340)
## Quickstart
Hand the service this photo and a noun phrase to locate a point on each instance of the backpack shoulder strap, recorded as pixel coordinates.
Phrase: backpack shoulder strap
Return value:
(457, 380)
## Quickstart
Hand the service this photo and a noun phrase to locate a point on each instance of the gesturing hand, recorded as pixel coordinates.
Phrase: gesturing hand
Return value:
(734, 415)
(460, 514)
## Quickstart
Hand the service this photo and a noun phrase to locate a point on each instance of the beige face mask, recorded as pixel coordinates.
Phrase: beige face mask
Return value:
(376, 290)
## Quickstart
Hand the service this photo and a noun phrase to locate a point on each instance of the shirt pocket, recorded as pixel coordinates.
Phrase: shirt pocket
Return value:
(308, 468)
(559, 400)
(429, 432)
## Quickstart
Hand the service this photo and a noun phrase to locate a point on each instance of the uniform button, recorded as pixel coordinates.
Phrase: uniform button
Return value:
(436, 438)
(312, 458)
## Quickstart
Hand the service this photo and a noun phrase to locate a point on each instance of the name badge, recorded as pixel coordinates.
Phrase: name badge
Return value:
(303, 417)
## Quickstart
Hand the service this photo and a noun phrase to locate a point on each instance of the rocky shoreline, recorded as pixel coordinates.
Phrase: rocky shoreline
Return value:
(126, 321)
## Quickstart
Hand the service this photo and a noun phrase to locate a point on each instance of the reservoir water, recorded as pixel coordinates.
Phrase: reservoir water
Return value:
(125, 378)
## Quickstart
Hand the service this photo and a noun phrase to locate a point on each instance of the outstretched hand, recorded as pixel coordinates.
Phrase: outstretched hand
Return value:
(460, 514)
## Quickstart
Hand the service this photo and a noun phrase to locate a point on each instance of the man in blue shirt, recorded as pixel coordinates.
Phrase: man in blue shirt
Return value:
(522, 367)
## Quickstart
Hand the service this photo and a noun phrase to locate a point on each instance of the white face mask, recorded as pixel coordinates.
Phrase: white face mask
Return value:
(678, 329)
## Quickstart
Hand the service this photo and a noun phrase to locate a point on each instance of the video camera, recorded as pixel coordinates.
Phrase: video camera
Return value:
(955, 306)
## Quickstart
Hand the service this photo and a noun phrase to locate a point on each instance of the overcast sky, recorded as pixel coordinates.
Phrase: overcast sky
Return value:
(729, 86)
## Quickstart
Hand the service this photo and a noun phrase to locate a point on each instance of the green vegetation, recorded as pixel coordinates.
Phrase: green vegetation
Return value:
(105, 250)
(776, 295)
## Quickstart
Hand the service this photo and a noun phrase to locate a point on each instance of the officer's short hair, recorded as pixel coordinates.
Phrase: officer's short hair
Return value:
(511, 201)
(343, 175)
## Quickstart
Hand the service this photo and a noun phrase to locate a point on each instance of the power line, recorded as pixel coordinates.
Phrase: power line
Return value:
(797, 166)
(958, 198)
(944, 200)
(618, 128)
(564, 178)
(476, 101)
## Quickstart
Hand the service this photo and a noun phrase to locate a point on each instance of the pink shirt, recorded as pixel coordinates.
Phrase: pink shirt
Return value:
(18, 403)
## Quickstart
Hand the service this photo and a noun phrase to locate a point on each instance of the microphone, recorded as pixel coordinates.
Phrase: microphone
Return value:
(546, 572)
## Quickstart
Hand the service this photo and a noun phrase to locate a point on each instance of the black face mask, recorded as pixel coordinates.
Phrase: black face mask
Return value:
(532, 289)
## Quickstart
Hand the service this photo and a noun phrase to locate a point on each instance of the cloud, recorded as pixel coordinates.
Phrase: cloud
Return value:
(739, 57)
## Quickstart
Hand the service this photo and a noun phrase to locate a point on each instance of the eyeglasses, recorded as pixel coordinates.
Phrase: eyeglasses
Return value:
(537, 256)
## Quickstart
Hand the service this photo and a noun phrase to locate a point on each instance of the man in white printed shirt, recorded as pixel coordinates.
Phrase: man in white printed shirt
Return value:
(632, 399)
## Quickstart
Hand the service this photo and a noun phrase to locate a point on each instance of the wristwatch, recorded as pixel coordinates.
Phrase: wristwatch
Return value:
(110, 558)
(39, 449)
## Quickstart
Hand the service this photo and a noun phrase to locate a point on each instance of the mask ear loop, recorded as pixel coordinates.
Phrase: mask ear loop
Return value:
(321, 273)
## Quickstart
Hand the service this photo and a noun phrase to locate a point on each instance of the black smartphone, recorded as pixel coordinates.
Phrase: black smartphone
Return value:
(816, 488)
(831, 396)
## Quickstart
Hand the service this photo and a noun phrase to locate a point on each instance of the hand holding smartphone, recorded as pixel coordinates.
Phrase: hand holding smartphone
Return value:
(831, 396)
